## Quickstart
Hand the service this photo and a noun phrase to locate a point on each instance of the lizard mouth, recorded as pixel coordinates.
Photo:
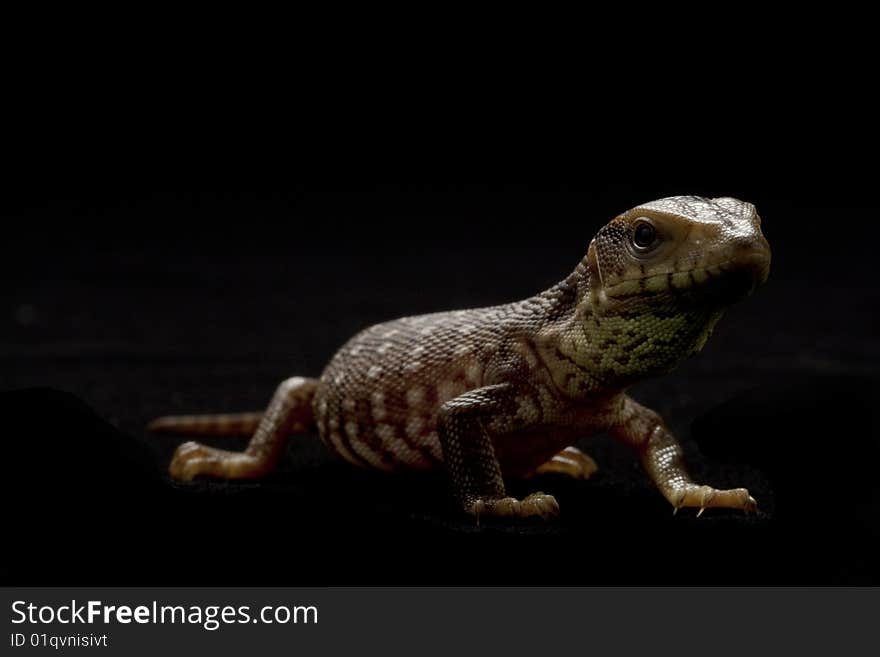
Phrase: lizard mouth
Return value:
(747, 271)
(728, 280)
(732, 286)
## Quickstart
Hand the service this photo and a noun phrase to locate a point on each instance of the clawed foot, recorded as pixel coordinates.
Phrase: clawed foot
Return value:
(705, 497)
(192, 459)
(536, 504)
(570, 462)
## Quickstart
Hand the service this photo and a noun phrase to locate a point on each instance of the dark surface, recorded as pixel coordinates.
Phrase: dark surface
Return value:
(121, 306)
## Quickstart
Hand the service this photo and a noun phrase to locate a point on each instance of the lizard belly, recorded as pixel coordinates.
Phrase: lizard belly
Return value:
(377, 401)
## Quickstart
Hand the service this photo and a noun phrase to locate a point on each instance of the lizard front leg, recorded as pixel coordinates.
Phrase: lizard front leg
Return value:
(464, 426)
(662, 458)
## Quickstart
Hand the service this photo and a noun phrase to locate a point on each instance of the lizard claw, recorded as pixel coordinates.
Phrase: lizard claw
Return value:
(186, 458)
(192, 459)
(507, 507)
(545, 505)
(536, 504)
(678, 503)
(704, 497)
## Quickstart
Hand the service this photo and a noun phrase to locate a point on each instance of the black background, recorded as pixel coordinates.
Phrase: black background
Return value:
(126, 301)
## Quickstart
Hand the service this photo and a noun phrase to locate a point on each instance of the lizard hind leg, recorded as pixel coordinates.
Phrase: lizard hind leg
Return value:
(570, 462)
(289, 411)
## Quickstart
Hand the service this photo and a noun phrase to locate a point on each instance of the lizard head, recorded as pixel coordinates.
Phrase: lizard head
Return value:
(692, 249)
(660, 277)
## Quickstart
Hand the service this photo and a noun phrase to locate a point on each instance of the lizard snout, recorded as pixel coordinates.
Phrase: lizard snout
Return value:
(752, 256)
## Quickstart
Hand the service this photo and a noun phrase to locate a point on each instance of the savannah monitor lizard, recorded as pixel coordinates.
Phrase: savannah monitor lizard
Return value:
(504, 391)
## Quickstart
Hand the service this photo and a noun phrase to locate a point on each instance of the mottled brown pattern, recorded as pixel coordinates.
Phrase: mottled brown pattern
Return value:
(502, 390)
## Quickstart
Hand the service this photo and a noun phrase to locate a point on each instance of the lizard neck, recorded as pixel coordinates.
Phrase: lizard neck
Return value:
(590, 344)
(561, 302)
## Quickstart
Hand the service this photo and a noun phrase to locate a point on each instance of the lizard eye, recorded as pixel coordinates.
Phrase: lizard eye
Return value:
(644, 235)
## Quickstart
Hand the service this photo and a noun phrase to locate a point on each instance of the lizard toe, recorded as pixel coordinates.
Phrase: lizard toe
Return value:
(539, 504)
(184, 463)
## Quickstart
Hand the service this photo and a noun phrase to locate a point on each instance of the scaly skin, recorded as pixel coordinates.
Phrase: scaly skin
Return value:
(504, 391)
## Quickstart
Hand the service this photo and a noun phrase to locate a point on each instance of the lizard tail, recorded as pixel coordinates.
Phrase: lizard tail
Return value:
(293, 399)
(226, 424)
(220, 424)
